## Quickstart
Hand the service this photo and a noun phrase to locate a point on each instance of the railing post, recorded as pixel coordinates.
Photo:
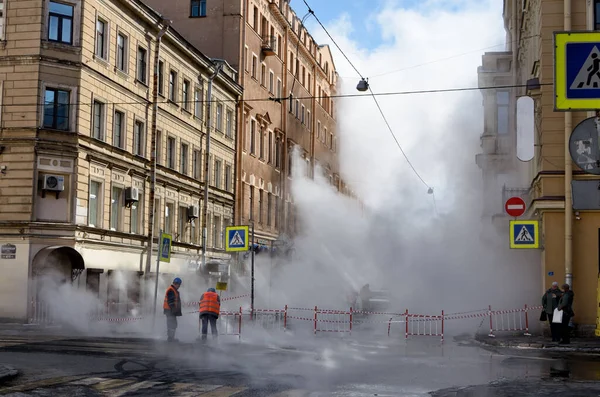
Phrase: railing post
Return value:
(406, 324)
(350, 320)
(315, 330)
(526, 322)
(442, 325)
(285, 319)
(491, 335)
(240, 324)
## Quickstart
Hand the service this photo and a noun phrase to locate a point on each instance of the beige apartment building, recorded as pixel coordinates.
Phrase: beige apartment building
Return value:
(288, 82)
(76, 83)
(569, 238)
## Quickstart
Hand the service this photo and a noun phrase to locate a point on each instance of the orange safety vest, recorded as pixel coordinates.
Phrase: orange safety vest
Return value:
(166, 301)
(210, 303)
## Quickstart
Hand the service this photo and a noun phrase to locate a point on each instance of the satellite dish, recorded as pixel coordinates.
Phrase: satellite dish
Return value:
(583, 146)
(525, 128)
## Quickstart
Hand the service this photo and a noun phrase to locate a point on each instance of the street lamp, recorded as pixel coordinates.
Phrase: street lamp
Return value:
(363, 85)
(218, 65)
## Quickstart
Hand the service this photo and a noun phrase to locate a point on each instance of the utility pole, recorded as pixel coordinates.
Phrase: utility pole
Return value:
(161, 33)
(218, 66)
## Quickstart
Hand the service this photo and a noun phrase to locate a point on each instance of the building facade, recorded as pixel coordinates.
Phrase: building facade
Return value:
(569, 239)
(76, 139)
(288, 82)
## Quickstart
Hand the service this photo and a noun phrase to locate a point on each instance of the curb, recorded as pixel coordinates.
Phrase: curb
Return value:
(553, 347)
(7, 372)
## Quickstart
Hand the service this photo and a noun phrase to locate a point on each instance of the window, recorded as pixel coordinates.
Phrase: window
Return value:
(101, 35)
(277, 152)
(193, 232)
(260, 206)
(56, 109)
(324, 136)
(138, 138)
(186, 95)
(169, 217)
(216, 229)
(270, 149)
(254, 62)
(122, 52)
(142, 65)
(331, 141)
(198, 104)
(297, 113)
(116, 208)
(502, 102)
(219, 117)
(252, 136)
(291, 103)
(246, 59)
(119, 129)
(157, 215)
(255, 19)
(181, 222)
(261, 144)
(269, 208)
(278, 88)
(60, 22)
(161, 78)
(172, 86)
(159, 147)
(2, 36)
(251, 213)
(171, 153)
(95, 204)
(308, 122)
(229, 124)
(218, 176)
(197, 164)
(98, 121)
(183, 159)
(318, 129)
(271, 82)
(263, 75)
(136, 216)
(198, 8)
(276, 212)
(228, 178)
(302, 114)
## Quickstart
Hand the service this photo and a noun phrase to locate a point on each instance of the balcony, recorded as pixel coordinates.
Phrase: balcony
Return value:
(269, 45)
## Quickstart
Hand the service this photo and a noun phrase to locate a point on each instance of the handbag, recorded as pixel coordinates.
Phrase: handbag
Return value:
(557, 316)
(543, 316)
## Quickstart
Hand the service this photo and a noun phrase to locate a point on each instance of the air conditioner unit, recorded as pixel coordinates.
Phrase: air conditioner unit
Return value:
(193, 212)
(53, 183)
(132, 195)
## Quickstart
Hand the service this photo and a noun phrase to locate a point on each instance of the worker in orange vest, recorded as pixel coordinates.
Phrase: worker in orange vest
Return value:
(172, 308)
(210, 307)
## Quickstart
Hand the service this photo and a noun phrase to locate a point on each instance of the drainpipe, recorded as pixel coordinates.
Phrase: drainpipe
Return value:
(218, 66)
(568, 175)
(161, 33)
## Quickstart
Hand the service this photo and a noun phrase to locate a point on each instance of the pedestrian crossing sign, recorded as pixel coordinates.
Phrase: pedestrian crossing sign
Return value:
(524, 234)
(577, 71)
(237, 238)
(164, 248)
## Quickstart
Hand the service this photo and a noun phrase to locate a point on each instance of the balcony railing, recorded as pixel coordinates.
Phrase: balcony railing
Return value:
(269, 45)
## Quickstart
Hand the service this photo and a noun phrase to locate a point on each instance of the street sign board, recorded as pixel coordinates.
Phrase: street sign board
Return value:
(237, 238)
(221, 286)
(576, 71)
(524, 234)
(525, 128)
(164, 248)
(515, 206)
(584, 146)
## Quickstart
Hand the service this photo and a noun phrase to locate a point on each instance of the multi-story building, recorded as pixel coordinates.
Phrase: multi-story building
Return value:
(569, 239)
(288, 82)
(76, 138)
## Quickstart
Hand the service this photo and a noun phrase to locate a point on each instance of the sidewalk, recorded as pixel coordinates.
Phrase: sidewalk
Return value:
(579, 345)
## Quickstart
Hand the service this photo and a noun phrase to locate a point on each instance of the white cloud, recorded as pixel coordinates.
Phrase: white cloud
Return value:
(434, 45)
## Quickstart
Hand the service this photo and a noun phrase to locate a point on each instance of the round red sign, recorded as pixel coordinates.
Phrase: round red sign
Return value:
(515, 206)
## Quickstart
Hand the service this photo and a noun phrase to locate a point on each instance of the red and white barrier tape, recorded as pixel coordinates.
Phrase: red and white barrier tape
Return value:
(196, 303)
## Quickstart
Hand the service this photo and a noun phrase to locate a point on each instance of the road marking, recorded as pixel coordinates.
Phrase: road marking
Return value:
(224, 391)
(113, 384)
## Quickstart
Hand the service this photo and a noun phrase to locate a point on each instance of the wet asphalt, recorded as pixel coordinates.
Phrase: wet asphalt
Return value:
(314, 366)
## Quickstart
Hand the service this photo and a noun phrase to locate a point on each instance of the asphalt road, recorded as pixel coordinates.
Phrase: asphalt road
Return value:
(262, 366)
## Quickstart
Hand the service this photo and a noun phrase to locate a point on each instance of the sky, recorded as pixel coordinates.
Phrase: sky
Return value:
(405, 46)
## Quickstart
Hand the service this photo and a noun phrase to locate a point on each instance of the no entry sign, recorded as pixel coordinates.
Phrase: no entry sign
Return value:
(515, 206)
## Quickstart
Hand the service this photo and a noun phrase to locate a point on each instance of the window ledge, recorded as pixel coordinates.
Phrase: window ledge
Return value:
(197, 16)
(102, 61)
(54, 45)
(140, 82)
(122, 73)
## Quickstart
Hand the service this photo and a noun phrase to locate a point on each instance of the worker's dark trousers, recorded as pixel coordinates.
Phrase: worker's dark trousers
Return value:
(171, 327)
(206, 318)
